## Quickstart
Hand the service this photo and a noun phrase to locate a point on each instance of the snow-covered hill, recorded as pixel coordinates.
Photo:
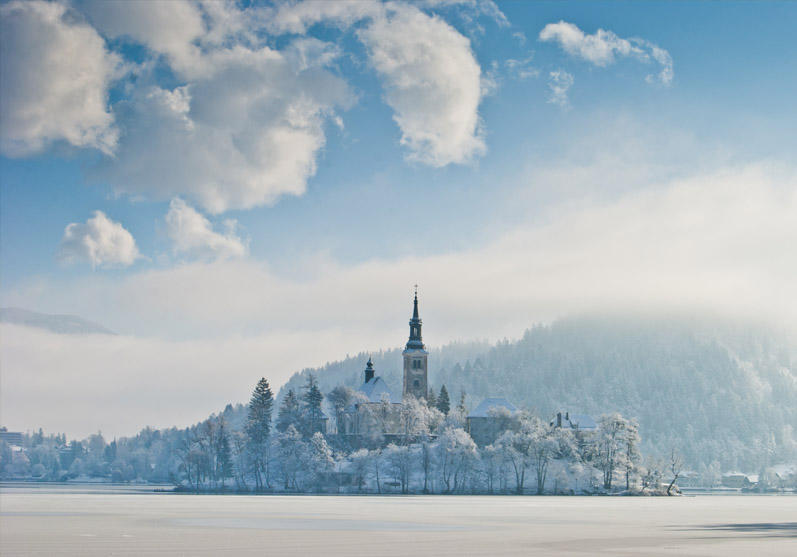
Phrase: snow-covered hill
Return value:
(716, 390)
(63, 324)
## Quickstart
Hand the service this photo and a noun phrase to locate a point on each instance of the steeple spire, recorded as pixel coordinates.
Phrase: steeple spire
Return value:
(369, 370)
(415, 342)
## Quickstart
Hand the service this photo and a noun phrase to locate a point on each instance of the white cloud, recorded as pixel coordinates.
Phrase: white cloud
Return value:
(54, 87)
(242, 133)
(559, 82)
(522, 69)
(298, 17)
(100, 241)
(192, 234)
(170, 27)
(241, 123)
(603, 47)
(712, 240)
(432, 82)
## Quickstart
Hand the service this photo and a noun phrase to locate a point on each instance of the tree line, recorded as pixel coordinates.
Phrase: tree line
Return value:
(254, 448)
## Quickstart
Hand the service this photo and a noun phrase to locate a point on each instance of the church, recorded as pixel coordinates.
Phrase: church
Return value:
(378, 413)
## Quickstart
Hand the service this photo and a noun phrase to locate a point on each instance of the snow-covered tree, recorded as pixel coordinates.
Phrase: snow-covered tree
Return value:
(312, 400)
(443, 401)
(289, 412)
(258, 430)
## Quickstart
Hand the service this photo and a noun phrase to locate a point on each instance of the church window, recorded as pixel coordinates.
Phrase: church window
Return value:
(416, 383)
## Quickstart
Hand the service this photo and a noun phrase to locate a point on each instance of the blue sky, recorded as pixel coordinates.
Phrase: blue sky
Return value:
(631, 188)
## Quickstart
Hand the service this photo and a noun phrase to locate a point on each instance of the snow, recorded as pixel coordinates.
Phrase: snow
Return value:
(483, 409)
(375, 388)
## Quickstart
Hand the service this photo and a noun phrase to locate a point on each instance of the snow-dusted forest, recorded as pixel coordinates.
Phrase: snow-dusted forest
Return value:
(723, 392)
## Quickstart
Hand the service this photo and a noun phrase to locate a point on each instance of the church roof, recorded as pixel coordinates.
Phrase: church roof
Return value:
(583, 422)
(580, 421)
(375, 388)
(483, 409)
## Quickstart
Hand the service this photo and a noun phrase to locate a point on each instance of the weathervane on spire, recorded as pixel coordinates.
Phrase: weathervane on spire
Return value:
(416, 289)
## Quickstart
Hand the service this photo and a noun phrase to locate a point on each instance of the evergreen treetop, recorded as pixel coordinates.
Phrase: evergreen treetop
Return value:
(443, 402)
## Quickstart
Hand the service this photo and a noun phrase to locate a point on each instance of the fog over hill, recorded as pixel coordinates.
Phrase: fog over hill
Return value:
(62, 324)
(715, 389)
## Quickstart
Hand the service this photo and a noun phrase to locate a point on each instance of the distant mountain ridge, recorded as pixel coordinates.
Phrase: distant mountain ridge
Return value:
(62, 324)
(716, 390)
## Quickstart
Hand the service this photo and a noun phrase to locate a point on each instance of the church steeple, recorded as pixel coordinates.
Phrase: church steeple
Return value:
(369, 370)
(415, 358)
(415, 342)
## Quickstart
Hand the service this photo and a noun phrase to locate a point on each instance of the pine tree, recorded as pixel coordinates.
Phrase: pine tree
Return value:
(461, 406)
(312, 400)
(223, 452)
(289, 412)
(443, 402)
(432, 401)
(258, 429)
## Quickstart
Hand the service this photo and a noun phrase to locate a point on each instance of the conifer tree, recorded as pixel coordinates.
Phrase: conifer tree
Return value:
(258, 429)
(289, 412)
(312, 400)
(461, 406)
(431, 402)
(224, 453)
(443, 402)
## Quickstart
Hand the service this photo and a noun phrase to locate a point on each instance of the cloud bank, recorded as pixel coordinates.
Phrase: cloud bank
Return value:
(712, 241)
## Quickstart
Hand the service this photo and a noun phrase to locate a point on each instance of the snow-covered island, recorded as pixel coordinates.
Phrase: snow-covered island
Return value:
(377, 442)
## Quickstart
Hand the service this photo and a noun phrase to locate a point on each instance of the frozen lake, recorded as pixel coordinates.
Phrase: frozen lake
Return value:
(85, 520)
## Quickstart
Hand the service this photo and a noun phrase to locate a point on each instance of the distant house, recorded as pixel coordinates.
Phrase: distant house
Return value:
(489, 419)
(578, 422)
(13, 438)
(737, 480)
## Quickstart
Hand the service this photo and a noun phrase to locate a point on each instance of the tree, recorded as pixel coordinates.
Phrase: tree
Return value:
(457, 453)
(461, 406)
(360, 464)
(431, 402)
(512, 450)
(224, 466)
(443, 402)
(399, 459)
(632, 455)
(289, 412)
(320, 459)
(675, 468)
(312, 399)
(341, 398)
(542, 448)
(292, 451)
(612, 430)
(258, 429)
(414, 420)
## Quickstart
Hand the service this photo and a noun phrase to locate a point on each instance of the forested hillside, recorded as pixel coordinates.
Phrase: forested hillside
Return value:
(715, 390)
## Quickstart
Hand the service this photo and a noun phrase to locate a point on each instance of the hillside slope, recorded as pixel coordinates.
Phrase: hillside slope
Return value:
(717, 391)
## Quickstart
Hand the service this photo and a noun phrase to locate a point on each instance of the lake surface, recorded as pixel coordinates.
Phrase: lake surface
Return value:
(103, 520)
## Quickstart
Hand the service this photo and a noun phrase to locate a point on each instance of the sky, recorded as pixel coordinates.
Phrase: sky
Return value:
(246, 189)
